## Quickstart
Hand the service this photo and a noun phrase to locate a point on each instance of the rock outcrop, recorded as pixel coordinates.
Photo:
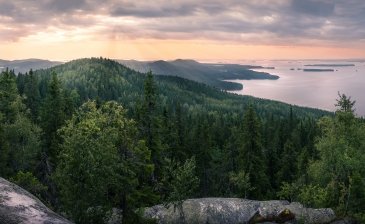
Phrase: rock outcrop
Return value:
(235, 210)
(18, 206)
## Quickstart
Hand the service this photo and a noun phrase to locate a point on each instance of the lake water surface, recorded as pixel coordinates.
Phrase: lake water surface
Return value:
(312, 89)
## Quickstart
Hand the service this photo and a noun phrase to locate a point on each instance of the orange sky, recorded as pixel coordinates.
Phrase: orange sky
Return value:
(194, 29)
(169, 49)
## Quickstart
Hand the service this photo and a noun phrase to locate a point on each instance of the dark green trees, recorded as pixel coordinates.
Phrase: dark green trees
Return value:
(52, 118)
(340, 169)
(101, 163)
(10, 103)
(20, 138)
(32, 95)
(150, 124)
(251, 155)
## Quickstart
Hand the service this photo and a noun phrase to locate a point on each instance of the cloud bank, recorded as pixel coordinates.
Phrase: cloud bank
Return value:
(274, 22)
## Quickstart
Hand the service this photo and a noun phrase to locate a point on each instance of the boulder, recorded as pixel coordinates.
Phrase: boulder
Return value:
(345, 221)
(18, 206)
(235, 210)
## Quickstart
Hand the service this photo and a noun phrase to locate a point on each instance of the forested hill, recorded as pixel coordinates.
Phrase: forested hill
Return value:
(26, 64)
(108, 80)
(208, 73)
(167, 139)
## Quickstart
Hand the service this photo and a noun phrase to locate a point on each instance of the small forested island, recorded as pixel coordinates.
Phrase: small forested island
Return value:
(318, 70)
(98, 142)
(330, 65)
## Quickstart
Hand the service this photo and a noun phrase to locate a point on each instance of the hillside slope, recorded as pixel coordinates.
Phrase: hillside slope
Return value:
(108, 80)
(210, 74)
(27, 64)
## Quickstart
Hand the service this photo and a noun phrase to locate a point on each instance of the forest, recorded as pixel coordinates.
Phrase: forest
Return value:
(91, 135)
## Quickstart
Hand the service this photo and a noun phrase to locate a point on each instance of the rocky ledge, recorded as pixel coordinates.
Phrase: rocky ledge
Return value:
(235, 210)
(18, 206)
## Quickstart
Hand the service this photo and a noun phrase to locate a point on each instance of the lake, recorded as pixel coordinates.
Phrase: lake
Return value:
(311, 89)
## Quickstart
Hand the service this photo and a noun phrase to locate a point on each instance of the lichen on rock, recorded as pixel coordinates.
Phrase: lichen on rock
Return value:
(235, 210)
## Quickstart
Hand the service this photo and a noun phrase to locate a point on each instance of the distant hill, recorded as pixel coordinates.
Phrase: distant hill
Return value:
(25, 65)
(108, 80)
(210, 74)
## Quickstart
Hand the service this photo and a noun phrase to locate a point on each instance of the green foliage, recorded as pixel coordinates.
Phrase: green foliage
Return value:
(309, 195)
(184, 182)
(107, 160)
(345, 104)
(313, 196)
(341, 167)
(101, 162)
(10, 101)
(241, 181)
(32, 95)
(52, 116)
(23, 139)
(288, 163)
(252, 160)
(288, 191)
(30, 183)
(150, 124)
(20, 138)
(182, 185)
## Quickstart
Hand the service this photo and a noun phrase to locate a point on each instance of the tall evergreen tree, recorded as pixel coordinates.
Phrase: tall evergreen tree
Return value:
(150, 124)
(20, 143)
(52, 118)
(251, 156)
(10, 101)
(31, 92)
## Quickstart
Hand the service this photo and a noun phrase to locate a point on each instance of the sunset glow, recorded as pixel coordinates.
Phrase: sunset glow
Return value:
(203, 30)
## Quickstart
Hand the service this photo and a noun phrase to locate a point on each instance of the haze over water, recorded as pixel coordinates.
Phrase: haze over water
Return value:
(312, 89)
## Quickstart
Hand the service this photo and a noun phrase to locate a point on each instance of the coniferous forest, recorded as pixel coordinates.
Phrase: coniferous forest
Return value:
(92, 135)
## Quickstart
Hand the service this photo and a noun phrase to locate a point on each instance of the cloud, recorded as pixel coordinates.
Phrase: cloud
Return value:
(275, 22)
(314, 8)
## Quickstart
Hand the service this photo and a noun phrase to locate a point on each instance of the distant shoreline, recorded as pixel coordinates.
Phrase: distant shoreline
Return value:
(330, 65)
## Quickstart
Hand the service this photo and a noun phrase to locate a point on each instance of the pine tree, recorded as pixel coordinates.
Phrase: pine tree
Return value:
(150, 124)
(288, 163)
(52, 118)
(251, 156)
(20, 143)
(31, 91)
(10, 101)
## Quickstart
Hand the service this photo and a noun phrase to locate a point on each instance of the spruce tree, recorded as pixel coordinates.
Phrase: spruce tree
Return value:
(52, 118)
(251, 155)
(20, 143)
(150, 124)
(10, 101)
(32, 94)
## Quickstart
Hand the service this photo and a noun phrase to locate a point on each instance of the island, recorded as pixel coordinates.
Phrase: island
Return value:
(317, 70)
(330, 65)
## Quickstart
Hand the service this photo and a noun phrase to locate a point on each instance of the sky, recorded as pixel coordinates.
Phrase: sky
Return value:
(170, 29)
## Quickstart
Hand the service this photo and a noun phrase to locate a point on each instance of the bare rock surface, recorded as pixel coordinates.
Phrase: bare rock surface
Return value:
(18, 206)
(235, 210)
